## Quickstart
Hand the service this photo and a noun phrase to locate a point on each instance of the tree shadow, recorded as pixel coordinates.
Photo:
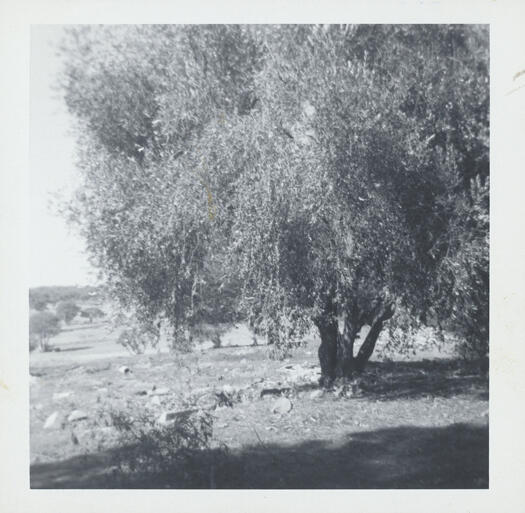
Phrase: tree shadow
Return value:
(75, 348)
(81, 327)
(436, 378)
(455, 456)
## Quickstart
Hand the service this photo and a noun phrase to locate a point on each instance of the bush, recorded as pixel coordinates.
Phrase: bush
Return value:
(67, 311)
(43, 326)
(137, 338)
(176, 455)
(92, 313)
(205, 332)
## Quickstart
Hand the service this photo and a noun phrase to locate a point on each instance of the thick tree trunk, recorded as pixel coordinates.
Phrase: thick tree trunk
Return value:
(327, 351)
(347, 332)
(384, 312)
(338, 334)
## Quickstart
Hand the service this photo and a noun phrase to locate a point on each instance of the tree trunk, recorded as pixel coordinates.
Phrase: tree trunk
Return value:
(347, 332)
(43, 344)
(327, 351)
(338, 334)
(384, 312)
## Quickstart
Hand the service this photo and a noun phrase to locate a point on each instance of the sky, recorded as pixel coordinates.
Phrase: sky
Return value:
(57, 253)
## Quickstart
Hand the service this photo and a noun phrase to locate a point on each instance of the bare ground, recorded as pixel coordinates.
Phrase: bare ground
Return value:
(410, 424)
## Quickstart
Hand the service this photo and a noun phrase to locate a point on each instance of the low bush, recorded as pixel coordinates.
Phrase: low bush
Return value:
(42, 327)
(173, 455)
(136, 338)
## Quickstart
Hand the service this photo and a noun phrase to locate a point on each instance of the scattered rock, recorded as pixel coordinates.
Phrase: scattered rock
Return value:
(51, 421)
(316, 394)
(223, 399)
(124, 369)
(228, 389)
(274, 391)
(300, 372)
(169, 418)
(282, 405)
(58, 396)
(155, 400)
(202, 390)
(141, 392)
(206, 402)
(76, 415)
(160, 391)
(107, 430)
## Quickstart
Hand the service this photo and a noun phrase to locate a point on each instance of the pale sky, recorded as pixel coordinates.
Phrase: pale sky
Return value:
(57, 255)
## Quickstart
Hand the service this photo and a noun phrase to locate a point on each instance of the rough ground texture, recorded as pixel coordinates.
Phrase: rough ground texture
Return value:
(406, 424)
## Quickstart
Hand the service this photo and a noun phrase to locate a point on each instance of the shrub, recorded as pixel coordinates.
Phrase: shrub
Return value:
(92, 313)
(136, 339)
(175, 455)
(67, 311)
(43, 326)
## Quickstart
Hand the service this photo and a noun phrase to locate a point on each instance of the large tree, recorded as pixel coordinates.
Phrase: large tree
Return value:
(305, 175)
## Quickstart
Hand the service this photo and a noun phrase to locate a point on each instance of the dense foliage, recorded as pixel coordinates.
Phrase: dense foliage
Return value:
(298, 175)
(67, 311)
(41, 297)
(91, 313)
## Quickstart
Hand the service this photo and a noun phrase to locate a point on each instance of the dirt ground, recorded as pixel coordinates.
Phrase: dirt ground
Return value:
(411, 423)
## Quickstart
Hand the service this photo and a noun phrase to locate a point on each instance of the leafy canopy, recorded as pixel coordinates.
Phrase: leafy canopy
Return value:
(286, 172)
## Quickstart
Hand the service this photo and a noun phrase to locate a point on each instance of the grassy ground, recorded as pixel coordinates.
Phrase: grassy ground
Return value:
(411, 424)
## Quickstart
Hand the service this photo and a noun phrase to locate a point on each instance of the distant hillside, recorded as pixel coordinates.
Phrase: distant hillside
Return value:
(40, 297)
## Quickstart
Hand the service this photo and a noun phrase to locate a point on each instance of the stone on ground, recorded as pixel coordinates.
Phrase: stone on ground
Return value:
(155, 400)
(160, 391)
(58, 396)
(77, 415)
(51, 421)
(282, 405)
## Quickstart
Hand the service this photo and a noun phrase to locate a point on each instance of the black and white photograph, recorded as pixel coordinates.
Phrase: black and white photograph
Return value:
(279, 243)
(262, 257)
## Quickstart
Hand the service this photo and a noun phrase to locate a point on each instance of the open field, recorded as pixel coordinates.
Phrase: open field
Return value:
(416, 423)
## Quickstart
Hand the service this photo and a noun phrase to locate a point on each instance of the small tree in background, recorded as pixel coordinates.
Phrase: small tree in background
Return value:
(92, 313)
(43, 326)
(38, 301)
(67, 311)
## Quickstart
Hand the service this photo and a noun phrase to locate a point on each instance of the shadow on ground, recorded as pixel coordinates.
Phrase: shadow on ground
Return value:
(389, 381)
(412, 380)
(454, 456)
(72, 348)
(90, 326)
